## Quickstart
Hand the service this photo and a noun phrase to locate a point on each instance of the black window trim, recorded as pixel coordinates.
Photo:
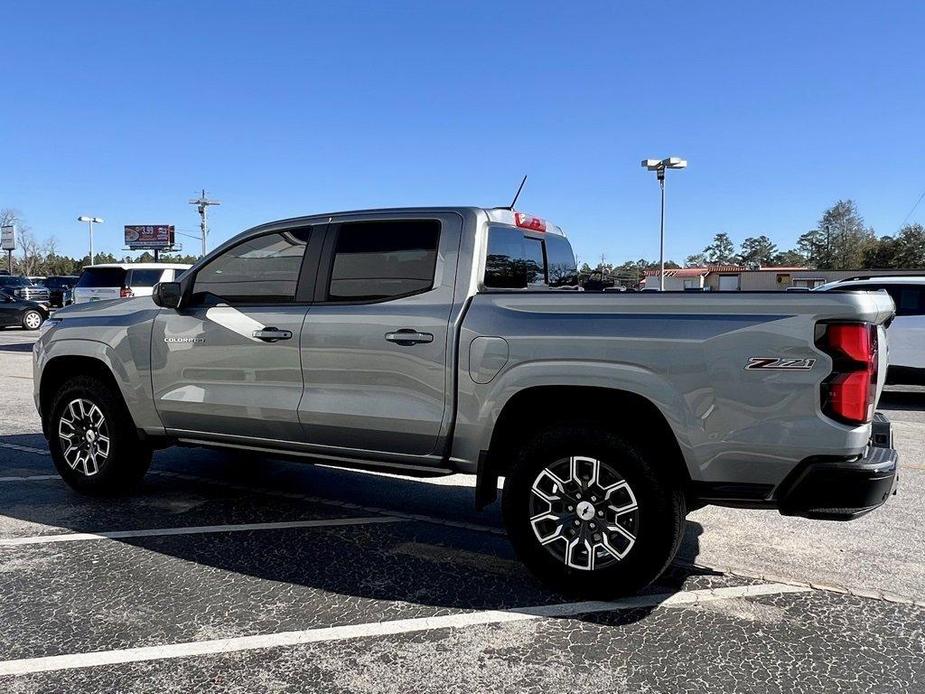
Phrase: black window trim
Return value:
(326, 266)
(541, 237)
(303, 292)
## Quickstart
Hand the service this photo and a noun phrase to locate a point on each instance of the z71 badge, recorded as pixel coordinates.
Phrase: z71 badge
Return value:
(779, 364)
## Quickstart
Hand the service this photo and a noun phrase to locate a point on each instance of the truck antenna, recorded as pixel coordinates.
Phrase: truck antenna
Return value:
(517, 194)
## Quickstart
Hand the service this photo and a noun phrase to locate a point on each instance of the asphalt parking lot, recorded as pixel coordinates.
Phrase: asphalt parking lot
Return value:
(228, 573)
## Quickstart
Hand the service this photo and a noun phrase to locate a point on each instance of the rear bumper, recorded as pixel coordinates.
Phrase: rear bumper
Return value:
(842, 489)
(821, 488)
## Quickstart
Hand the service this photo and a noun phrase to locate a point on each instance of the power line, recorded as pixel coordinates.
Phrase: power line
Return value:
(189, 236)
(202, 206)
(913, 209)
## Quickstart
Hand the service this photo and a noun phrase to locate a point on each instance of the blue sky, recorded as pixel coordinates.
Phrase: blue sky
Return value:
(125, 109)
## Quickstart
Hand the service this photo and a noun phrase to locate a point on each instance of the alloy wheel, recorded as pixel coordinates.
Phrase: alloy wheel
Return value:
(84, 436)
(583, 513)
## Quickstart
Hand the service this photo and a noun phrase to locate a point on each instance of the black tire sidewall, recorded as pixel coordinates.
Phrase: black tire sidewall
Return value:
(128, 459)
(660, 501)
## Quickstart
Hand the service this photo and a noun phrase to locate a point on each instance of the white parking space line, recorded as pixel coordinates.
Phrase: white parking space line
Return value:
(271, 491)
(193, 530)
(30, 478)
(372, 629)
(24, 449)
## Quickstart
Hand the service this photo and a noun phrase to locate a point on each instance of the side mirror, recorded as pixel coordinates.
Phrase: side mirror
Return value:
(167, 294)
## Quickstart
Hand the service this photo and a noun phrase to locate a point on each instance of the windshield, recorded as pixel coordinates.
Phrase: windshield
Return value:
(15, 282)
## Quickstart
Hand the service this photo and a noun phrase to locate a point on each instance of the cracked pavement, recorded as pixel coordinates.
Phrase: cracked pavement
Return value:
(439, 559)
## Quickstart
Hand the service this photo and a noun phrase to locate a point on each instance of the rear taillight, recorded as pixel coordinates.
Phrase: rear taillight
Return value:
(126, 293)
(848, 393)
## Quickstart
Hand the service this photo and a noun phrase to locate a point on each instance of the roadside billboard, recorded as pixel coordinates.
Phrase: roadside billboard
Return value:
(7, 238)
(149, 236)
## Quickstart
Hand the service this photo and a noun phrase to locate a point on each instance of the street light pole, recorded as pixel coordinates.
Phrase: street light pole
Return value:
(659, 166)
(90, 221)
(661, 233)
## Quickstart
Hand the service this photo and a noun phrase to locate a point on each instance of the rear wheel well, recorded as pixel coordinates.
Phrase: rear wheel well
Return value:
(59, 369)
(533, 409)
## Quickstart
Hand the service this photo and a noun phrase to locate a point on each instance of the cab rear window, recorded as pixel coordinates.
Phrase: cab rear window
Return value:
(102, 277)
(516, 260)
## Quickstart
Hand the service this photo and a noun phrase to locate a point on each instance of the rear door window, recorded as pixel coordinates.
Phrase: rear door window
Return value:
(374, 261)
(909, 300)
(144, 278)
(102, 277)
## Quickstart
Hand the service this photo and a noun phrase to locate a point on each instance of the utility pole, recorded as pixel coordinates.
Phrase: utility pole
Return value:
(202, 206)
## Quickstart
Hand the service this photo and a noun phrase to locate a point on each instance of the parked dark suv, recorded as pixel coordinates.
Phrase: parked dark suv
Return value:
(23, 288)
(58, 287)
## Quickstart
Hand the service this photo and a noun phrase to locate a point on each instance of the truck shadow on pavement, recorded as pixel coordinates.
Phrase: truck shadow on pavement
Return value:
(17, 347)
(902, 400)
(450, 557)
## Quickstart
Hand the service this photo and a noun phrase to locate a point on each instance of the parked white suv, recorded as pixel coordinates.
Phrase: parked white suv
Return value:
(123, 280)
(907, 332)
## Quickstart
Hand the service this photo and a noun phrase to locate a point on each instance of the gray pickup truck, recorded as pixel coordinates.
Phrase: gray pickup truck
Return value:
(432, 341)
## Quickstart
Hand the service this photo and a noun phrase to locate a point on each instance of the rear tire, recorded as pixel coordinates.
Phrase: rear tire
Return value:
(601, 537)
(92, 438)
(32, 320)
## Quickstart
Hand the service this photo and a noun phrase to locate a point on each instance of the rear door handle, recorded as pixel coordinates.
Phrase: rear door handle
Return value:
(272, 334)
(407, 337)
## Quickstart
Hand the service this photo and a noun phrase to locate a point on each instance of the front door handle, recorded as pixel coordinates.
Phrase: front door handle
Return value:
(272, 334)
(407, 337)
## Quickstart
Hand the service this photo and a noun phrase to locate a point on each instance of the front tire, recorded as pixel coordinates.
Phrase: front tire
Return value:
(32, 320)
(590, 513)
(92, 439)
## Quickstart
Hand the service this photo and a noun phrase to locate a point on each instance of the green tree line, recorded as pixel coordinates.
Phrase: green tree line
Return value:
(840, 241)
